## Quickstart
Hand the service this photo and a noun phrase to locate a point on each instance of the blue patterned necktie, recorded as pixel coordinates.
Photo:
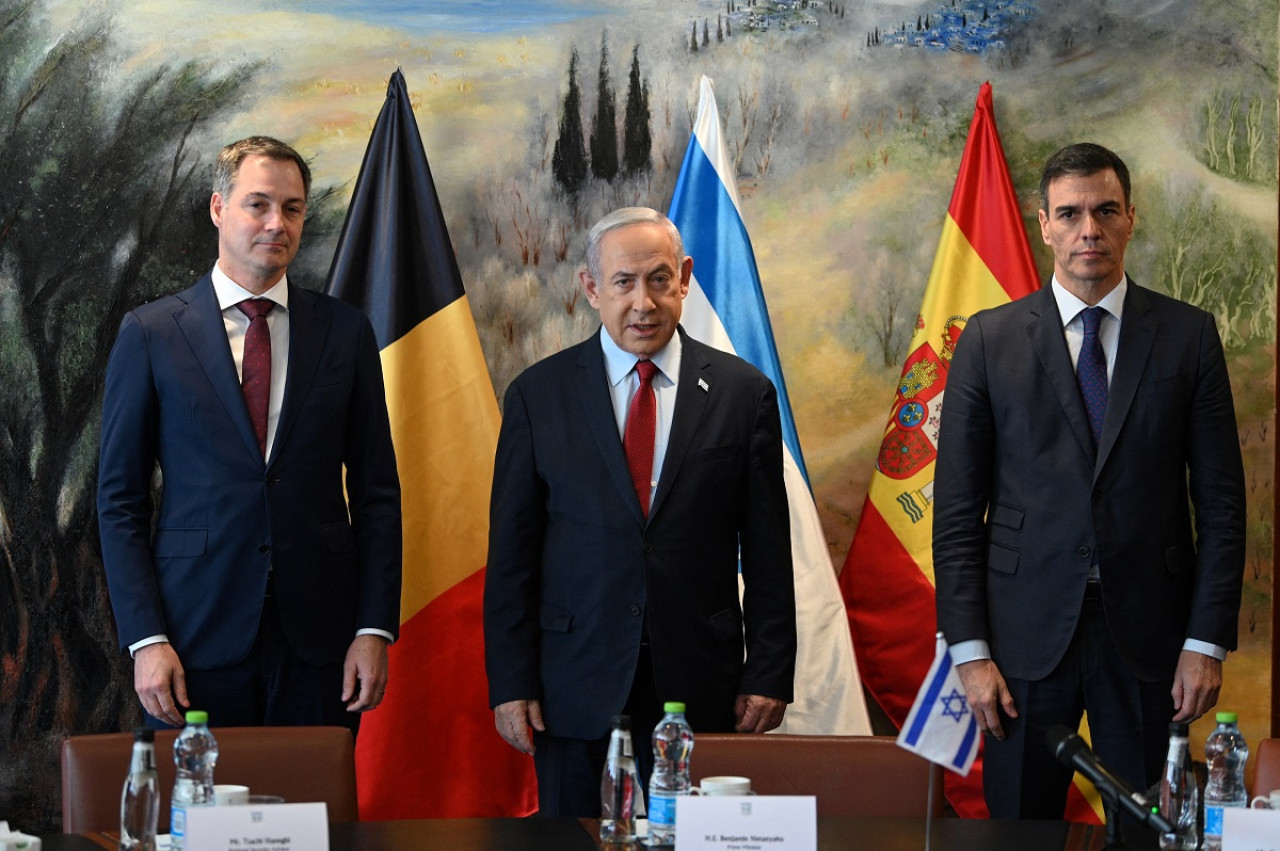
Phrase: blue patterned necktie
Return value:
(1091, 370)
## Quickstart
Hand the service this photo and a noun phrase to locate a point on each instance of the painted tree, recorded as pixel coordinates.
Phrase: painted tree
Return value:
(569, 157)
(637, 138)
(109, 171)
(604, 128)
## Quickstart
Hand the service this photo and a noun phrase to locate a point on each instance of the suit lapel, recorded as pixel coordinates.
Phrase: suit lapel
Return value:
(1045, 331)
(592, 387)
(1137, 336)
(308, 331)
(200, 322)
(692, 394)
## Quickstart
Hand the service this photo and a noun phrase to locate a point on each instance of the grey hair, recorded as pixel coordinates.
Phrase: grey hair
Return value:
(622, 217)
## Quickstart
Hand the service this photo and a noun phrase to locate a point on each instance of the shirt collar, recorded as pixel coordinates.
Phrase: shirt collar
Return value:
(230, 293)
(618, 363)
(1069, 306)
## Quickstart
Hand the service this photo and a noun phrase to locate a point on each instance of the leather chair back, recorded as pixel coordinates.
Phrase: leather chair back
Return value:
(1266, 768)
(300, 764)
(849, 775)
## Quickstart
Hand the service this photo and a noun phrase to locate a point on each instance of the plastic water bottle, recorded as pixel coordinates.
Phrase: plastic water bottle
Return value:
(195, 753)
(672, 746)
(1225, 753)
(621, 798)
(1179, 794)
(140, 798)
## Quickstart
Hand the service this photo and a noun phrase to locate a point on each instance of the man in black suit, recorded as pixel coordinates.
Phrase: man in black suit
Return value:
(612, 581)
(1074, 444)
(270, 587)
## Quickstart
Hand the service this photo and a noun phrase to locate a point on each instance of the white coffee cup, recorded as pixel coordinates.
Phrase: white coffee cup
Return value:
(724, 785)
(1266, 802)
(226, 795)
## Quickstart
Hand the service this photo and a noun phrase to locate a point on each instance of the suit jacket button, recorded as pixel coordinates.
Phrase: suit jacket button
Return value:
(264, 548)
(635, 610)
(1083, 552)
(648, 546)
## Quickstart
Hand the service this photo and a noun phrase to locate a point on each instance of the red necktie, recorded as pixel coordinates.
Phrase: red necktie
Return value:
(638, 437)
(255, 368)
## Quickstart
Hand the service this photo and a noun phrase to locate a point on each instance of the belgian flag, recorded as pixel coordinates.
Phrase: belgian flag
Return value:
(430, 750)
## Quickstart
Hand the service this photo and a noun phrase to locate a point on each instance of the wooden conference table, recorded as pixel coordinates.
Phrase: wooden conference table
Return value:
(569, 834)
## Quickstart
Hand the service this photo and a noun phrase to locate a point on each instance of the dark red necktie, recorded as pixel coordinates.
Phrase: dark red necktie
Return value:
(638, 437)
(255, 368)
(1091, 370)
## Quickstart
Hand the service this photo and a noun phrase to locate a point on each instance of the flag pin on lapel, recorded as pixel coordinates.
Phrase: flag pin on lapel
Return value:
(702, 382)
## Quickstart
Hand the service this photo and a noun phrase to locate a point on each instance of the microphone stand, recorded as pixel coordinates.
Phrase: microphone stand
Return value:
(1111, 806)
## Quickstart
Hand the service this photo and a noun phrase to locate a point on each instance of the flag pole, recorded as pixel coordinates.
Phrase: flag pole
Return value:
(928, 814)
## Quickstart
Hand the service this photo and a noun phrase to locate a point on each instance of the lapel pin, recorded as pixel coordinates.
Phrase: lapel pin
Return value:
(702, 382)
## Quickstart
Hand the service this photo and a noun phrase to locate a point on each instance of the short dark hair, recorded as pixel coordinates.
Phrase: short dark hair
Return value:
(1081, 160)
(227, 168)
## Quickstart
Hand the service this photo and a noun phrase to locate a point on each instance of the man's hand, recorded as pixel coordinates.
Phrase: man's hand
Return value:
(987, 693)
(757, 714)
(1196, 683)
(160, 682)
(367, 662)
(513, 720)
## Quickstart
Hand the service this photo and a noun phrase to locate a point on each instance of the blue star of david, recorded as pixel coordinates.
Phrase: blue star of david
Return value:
(954, 705)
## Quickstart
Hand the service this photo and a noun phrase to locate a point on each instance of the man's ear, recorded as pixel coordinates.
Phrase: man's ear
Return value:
(589, 287)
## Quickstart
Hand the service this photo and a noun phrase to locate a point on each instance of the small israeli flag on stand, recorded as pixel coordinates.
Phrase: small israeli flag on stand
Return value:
(941, 727)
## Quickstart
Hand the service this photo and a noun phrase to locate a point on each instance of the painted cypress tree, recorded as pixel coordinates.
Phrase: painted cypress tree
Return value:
(637, 141)
(569, 158)
(693, 40)
(604, 132)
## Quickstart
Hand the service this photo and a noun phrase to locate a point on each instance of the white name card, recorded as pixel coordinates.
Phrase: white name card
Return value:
(1250, 830)
(250, 827)
(747, 823)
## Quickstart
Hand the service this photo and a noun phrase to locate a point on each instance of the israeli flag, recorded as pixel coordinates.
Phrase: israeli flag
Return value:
(725, 308)
(941, 727)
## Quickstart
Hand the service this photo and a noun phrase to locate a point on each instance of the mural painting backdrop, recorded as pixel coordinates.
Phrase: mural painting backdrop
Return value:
(846, 121)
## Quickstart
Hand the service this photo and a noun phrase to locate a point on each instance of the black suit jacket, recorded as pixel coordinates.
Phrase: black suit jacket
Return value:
(574, 569)
(172, 399)
(1024, 502)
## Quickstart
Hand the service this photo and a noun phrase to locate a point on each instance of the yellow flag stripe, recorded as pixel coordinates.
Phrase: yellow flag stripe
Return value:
(960, 284)
(444, 421)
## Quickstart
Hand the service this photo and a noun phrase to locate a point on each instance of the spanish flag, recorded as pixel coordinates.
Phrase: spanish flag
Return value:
(983, 260)
(430, 750)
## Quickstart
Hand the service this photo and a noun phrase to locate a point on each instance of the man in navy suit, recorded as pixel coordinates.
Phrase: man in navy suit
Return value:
(269, 587)
(610, 590)
(1082, 425)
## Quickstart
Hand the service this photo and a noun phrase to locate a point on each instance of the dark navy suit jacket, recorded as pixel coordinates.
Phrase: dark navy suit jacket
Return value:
(574, 568)
(1025, 503)
(172, 399)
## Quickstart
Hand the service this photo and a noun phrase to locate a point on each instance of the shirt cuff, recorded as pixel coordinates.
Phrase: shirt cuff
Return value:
(969, 651)
(391, 639)
(1219, 653)
(151, 639)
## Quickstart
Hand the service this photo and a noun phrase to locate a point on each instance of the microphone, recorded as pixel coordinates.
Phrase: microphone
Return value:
(1070, 750)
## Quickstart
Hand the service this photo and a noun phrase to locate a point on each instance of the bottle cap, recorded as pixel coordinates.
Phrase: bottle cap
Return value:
(673, 706)
(197, 716)
(1226, 717)
(1178, 728)
(144, 734)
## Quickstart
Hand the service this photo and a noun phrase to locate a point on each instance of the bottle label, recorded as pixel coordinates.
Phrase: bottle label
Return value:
(177, 821)
(1212, 820)
(662, 810)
